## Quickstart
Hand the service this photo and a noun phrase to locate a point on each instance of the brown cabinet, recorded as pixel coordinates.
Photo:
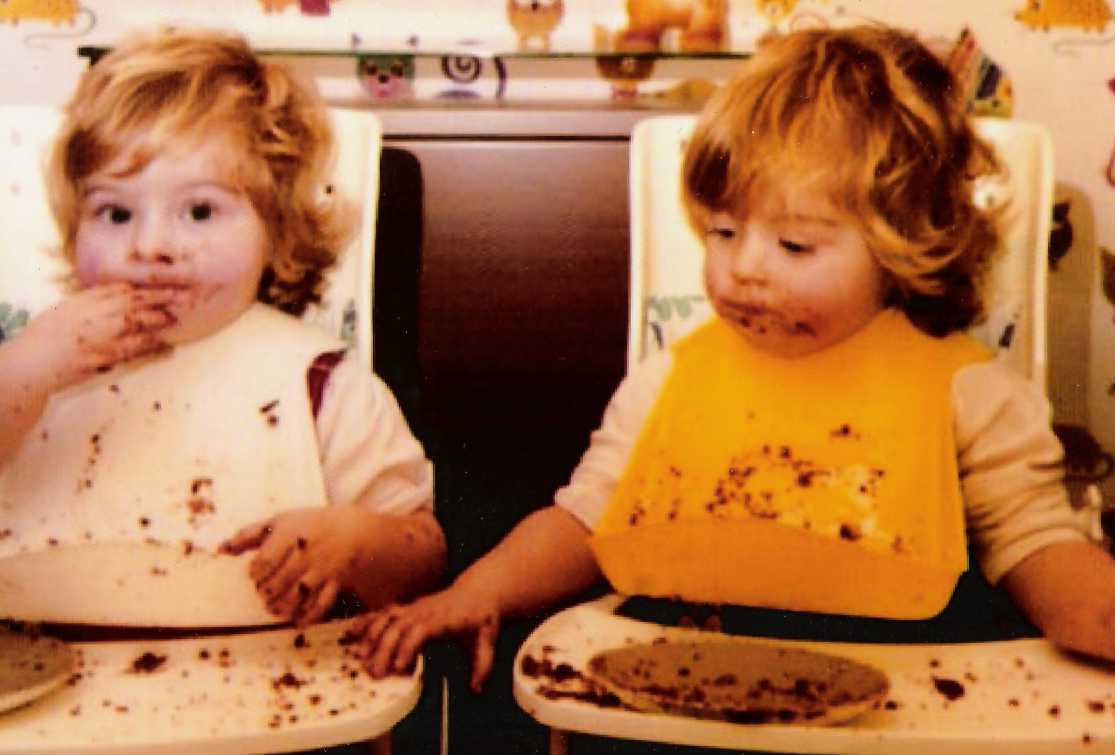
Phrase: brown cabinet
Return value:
(501, 294)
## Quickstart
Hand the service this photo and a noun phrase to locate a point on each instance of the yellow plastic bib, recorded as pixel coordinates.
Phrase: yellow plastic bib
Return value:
(825, 483)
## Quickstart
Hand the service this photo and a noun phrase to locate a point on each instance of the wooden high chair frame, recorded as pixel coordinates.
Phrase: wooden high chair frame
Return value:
(264, 691)
(1020, 697)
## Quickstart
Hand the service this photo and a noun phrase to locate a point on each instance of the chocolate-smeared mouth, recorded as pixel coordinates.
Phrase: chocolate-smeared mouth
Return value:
(763, 319)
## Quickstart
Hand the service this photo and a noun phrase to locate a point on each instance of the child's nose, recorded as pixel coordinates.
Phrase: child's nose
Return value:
(151, 242)
(749, 260)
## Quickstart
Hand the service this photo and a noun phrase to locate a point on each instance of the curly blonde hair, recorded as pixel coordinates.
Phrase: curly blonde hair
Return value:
(871, 115)
(167, 84)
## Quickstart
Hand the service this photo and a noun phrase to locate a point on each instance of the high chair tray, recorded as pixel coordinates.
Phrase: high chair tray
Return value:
(1014, 697)
(273, 691)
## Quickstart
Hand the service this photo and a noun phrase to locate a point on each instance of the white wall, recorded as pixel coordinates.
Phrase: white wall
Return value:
(1060, 79)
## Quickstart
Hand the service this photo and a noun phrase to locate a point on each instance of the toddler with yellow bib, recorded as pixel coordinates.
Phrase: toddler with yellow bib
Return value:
(832, 440)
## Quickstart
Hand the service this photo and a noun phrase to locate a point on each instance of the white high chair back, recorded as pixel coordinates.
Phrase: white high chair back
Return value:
(667, 295)
(31, 270)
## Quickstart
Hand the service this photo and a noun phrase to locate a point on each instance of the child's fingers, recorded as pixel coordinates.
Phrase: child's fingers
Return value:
(484, 653)
(411, 636)
(146, 320)
(146, 296)
(141, 330)
(137, 344)
(272, 564)
(382, 637)
(123, 333)
(369, 629)
(296, 588)
(358, 629)
(314, 606)
(134, 308)
(248, 538)
(286, 602)
(379, 646)
(310, 591)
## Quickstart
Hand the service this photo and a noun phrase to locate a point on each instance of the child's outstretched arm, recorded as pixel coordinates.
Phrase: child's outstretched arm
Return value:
(88, 332)
(544, 559)
(1068, 591)
(308, 556)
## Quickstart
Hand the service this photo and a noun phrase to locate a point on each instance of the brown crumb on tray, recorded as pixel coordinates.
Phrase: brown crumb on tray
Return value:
(950, 688)
(270, 413)
(147, 663)
(200, 501)
(287, 680)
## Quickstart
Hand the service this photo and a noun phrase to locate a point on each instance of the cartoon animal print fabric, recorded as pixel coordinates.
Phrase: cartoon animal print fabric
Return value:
(1090, 15)
(54, 11)
(308, 7)
(1061, 235)
(386, 77)
(11, 320)
(534, 21)
(986, 85)
(701, 25)
(775, 10)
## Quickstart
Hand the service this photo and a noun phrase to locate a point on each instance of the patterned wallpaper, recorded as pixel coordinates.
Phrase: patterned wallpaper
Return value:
(1046, 61)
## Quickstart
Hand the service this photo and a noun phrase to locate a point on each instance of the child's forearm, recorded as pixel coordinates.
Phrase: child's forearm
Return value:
(398, 557)
(22, 399)
(1068, 591)
(545, 559)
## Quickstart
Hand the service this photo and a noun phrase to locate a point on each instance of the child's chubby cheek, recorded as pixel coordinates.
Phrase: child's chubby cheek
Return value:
(90, 272)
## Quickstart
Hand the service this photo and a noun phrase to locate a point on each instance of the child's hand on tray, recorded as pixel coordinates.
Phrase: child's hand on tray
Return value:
(390, 639)
(304, 560)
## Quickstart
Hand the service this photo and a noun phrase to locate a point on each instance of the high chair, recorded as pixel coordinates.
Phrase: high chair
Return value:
(254, 691)
(1019, 696)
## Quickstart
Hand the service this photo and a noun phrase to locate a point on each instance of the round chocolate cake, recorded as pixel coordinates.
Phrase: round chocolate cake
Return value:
(739, 681)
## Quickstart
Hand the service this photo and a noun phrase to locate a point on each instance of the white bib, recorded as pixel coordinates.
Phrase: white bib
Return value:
(185, 447)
